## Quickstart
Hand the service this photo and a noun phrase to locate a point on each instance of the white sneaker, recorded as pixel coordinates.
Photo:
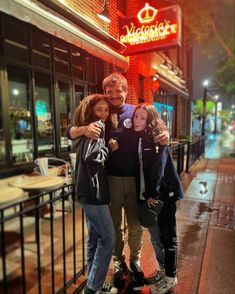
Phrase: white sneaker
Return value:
(167, 284)
(108, 288)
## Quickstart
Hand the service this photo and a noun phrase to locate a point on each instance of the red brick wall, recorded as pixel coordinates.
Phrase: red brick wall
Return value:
(141, 64)
(132, 76)
(181, 117)
(147, 90)
(91, 8)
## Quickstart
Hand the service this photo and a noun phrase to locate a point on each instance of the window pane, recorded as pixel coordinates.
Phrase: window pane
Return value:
(2, 143)
(16, 40)
(20, 114)
(90, 69)
(61, 58)
(77, 64)
(64, 110)
(43, 111)
(92, 90)
(41, 51)
(79, 94)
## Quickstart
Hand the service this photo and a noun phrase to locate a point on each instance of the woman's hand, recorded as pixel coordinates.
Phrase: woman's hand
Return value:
(92, 130)
(151, 201)
(162, 138)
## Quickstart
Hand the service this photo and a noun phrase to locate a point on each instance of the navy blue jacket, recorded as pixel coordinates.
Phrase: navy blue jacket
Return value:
(123, 162)
(160, 173)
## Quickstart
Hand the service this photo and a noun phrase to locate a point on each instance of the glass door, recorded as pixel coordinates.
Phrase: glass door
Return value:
(2, 141)
(63, 106)
(44, 115)
(79, 94)
(20, 115)
(67, 99)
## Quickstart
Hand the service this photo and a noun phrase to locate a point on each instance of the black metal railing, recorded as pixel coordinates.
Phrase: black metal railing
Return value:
(195, 150)
(48, 245)
(186, 153)
(177, 153)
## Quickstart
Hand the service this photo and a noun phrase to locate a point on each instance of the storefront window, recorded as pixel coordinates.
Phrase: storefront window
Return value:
(91, 90)
(77, 64)
(61, 53)
(47, 78)
(2, 143)
(79, 94)
(41, 51)
(20, 115)
(43, 112)
(166, 113)
(63, 103)
(16, 40)
(90, 69)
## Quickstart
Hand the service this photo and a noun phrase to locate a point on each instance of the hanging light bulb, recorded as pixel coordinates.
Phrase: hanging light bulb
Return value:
(104, 15)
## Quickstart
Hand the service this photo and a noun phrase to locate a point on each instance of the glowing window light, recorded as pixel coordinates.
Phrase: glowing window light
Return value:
(41, 108)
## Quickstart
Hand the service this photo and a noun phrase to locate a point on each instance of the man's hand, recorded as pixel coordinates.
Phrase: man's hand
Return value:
(113, 145)
(162, 138)
(92, 130)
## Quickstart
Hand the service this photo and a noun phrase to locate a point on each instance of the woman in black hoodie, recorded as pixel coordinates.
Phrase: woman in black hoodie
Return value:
(158, 181)
(92, 192)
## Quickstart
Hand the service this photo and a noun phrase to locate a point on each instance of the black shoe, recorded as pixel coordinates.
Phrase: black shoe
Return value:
(108, 289)
(120, 272)
(155, 277)
(137, 276)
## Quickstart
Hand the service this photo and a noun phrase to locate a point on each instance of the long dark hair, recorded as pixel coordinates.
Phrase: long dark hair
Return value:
(84, 114)
(154, 124)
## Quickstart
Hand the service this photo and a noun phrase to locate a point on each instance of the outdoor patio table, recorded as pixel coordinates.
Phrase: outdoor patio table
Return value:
(10, 195)
(34, 185)
(38, 183)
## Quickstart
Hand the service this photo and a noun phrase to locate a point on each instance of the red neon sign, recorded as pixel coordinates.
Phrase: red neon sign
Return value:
(152, 29)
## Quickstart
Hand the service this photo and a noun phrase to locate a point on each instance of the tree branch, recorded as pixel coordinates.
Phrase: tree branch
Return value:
(221, 40)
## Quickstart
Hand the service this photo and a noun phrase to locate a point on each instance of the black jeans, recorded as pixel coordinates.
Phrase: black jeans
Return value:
(165, 245)
(167, 225)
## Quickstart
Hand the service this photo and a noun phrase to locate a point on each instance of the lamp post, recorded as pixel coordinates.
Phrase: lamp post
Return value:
(215, 98)
(205, 84)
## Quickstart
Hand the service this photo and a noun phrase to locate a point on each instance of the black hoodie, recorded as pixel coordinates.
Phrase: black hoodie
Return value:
(91, 183)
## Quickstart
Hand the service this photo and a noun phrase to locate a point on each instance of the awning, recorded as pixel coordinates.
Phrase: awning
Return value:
(55, 25)
(172, 88)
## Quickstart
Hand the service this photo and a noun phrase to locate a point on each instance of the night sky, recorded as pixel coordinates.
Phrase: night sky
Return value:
(203, 69)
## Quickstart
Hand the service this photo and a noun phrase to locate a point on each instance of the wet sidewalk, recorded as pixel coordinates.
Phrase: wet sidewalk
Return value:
(205, 225)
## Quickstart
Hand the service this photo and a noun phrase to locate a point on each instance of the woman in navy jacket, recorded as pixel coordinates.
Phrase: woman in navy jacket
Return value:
(158, 181)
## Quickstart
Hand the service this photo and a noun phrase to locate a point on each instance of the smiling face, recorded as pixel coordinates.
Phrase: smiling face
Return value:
(116, 95)
(140, 119)
(101, 110)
